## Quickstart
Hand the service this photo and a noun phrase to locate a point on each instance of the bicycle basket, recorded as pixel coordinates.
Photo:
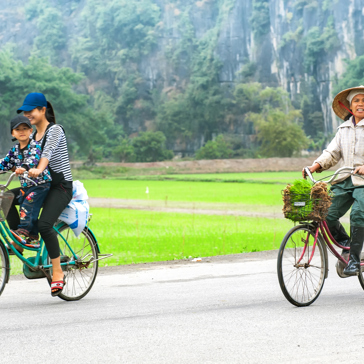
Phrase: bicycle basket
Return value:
(6, 199)
(307, 206)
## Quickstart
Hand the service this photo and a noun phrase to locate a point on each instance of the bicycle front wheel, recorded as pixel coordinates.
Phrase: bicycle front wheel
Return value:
(80, 276)
(4, 267)
(301, 266)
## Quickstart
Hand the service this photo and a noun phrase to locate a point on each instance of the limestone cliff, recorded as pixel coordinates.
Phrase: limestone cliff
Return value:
(299, 45)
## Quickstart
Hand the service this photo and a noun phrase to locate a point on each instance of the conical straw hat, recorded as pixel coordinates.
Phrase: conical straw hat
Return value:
(339, 110)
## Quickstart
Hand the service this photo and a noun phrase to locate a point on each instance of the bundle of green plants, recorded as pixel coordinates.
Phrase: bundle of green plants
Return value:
(297, 200)
(302, 201)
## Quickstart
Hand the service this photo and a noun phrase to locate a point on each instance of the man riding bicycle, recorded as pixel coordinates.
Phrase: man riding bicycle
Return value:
(348, 189)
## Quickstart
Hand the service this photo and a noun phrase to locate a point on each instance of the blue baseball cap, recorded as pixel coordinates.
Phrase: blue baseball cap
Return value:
(32, 101)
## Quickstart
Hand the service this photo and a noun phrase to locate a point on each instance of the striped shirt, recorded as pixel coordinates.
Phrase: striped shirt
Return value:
(348, 146)
(55, 150)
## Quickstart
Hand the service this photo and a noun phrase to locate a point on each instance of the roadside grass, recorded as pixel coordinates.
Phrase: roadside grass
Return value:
(149, 236)
(134, 236)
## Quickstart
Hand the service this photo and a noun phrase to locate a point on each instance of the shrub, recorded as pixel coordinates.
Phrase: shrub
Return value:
(215, 149)
(150, 147)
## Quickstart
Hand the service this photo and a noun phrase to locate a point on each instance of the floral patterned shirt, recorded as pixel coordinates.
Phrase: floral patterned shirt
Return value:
(27, 158)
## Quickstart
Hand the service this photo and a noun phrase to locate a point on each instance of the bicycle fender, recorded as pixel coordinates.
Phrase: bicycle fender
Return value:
(62, 223)
(94, 237)
(7, 260)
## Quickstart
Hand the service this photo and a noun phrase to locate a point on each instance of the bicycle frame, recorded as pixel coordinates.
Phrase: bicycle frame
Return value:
(322, 226)
(330, 243)
(40, 261)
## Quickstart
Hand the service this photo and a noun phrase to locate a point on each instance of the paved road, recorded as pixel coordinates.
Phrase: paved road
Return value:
(222, 310)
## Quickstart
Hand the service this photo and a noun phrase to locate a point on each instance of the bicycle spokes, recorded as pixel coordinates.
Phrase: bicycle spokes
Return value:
(301, 266)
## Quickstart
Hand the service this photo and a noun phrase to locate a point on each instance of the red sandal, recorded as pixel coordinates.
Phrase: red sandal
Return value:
(58, 285)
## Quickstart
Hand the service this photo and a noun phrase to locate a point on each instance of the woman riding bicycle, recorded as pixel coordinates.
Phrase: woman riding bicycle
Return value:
(348, 190)
(54, 155)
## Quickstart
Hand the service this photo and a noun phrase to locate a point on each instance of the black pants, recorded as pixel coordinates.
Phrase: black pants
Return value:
(56, 201)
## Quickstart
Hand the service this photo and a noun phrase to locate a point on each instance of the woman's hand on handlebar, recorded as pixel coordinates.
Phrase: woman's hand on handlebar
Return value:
(359, 170)
(312, 169)
(34, 172)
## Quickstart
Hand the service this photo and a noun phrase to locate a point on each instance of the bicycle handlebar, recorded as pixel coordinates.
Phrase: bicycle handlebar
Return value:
(25, 176)
(340, 170)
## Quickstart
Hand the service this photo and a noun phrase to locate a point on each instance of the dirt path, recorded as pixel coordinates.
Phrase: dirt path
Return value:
(214, 165)
(270, 212)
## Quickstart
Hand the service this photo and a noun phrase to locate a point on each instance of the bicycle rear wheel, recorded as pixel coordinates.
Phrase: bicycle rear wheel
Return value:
(4, 267)
(81, 276)
(361, 273)
(301, 269)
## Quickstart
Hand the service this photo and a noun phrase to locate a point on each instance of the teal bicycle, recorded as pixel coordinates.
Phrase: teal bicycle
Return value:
(79, 256)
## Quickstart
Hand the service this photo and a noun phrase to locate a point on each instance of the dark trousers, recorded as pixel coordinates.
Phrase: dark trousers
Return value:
(346, 195)
(31, 200)
(56, 201)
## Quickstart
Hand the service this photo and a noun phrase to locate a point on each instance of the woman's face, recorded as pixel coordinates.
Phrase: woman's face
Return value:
(357, 106)
(35, 116)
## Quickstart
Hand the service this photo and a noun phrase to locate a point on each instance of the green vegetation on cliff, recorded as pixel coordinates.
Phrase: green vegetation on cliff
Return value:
(149, 66)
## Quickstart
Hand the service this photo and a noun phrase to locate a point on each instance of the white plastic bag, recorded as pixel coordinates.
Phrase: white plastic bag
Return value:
(75, 215)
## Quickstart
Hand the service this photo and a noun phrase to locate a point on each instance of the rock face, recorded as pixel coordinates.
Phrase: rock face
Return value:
(280, 53)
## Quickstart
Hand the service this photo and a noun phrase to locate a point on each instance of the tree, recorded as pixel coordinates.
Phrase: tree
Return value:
(279, 134)
(245, 97)
(124, 152)
(354, 75)
(72, 110)
(150, 147)
(215, 149)
(260, 18)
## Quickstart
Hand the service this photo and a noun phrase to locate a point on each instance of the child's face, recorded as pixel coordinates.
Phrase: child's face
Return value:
(22, 132)
(35, 115)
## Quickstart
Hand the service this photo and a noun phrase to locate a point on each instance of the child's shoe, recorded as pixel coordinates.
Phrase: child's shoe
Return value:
(33, 241)
(20, 236)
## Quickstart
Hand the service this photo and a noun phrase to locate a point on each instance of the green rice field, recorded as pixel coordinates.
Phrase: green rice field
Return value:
(232, 193)
(135, 236)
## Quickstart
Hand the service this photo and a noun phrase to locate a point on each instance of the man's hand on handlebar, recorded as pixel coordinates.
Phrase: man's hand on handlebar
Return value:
(312, 169)
(359, 170)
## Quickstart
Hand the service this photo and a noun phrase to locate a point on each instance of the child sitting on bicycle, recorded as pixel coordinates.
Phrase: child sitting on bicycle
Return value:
(22, 157)
(348, 190)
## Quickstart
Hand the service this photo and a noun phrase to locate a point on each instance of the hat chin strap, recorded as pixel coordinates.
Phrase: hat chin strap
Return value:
(342, 105)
